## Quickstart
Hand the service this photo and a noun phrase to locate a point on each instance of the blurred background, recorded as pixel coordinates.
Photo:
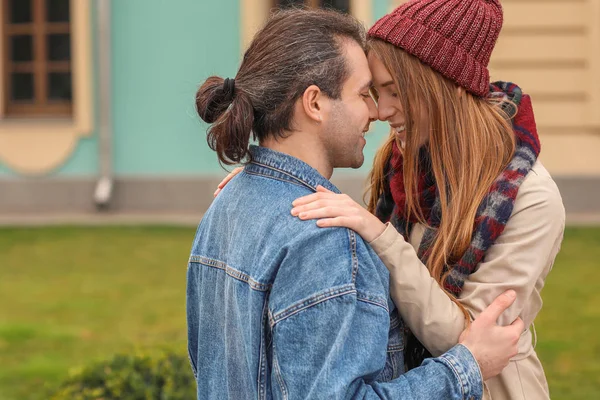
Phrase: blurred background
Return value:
(105, 171)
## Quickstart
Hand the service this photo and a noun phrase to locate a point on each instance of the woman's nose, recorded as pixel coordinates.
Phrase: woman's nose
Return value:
(384, 112)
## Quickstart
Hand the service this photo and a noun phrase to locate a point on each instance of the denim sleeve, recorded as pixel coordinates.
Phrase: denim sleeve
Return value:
(336, 349)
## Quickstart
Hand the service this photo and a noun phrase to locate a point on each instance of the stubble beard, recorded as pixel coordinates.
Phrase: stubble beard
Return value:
(347, 147)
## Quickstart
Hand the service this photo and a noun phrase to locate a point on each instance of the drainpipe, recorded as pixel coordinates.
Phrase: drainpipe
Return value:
(104, 186)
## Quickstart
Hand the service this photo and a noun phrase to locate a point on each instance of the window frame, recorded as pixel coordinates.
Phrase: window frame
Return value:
(254, 13)
(40, 66)
(309, 3)
(36, 146)
(312, 4)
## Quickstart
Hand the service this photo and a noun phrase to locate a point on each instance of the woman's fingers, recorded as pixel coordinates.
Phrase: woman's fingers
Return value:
(345, 222)
(323, 203)
(323, 189)
(325, 212)
(314, 197)
(227, 179)
(338, 210)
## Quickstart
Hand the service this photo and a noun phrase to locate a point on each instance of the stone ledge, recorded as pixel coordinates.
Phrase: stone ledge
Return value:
(173, 199)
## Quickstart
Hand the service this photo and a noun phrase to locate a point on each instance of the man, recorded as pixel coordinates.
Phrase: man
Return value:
(277, 307)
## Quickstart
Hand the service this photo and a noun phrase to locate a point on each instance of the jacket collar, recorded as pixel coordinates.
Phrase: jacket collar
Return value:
(265, 161)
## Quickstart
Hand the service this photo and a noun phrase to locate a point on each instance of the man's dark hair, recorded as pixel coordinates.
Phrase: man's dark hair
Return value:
(296, 48)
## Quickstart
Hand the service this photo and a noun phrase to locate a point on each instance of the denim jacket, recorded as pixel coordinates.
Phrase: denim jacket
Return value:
(278, 308)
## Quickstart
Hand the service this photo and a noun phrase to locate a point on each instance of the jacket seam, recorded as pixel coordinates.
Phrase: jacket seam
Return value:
(353, 253)
(261, 359)
(278, 374)
(275, 318)
(273, 177)
(311, 301)
(298, 180)
(394, 322)
(372, 299)
(520, 379)
(450, 362)
(395, 348)
(232, 272)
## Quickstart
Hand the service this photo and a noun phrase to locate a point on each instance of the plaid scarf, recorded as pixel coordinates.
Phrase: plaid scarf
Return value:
(493, 212)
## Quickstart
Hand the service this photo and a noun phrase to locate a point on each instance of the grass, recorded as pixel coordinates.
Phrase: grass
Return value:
(72, 295)
(569, 324)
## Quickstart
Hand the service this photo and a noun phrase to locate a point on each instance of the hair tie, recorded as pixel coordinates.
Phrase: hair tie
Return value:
(229, 89)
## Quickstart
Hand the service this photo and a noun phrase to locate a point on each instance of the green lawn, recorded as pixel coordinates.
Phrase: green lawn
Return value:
(72, 295)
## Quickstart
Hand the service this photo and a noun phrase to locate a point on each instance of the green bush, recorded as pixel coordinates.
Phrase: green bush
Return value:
(167, 376)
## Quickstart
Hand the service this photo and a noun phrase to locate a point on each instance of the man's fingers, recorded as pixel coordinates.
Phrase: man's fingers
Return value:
(498, 306)
(519, 325)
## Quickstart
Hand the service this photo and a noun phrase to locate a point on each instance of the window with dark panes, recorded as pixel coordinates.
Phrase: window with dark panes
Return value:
(37, 57)
(289, 3)
(342, 5)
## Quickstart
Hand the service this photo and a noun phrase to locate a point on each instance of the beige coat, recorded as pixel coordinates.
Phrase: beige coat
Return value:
(520, 259)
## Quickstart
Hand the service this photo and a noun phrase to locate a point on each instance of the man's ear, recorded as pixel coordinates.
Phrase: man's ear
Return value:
(312, 103)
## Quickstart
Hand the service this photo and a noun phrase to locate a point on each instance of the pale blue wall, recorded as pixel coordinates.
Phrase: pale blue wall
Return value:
(166, 49)
(162, 51)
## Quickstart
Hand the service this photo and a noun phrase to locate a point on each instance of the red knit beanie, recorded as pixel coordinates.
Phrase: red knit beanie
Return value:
(454, 37)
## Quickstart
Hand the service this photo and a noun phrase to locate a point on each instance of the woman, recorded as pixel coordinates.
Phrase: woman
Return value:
(463, 208)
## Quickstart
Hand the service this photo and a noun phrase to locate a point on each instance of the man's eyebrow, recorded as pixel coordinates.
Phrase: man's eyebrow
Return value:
(366, 86)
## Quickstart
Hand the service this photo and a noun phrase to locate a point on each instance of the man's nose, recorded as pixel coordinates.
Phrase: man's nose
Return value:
(373, 113)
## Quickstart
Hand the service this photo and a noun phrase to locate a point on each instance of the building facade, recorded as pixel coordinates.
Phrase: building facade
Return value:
(97, 97)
